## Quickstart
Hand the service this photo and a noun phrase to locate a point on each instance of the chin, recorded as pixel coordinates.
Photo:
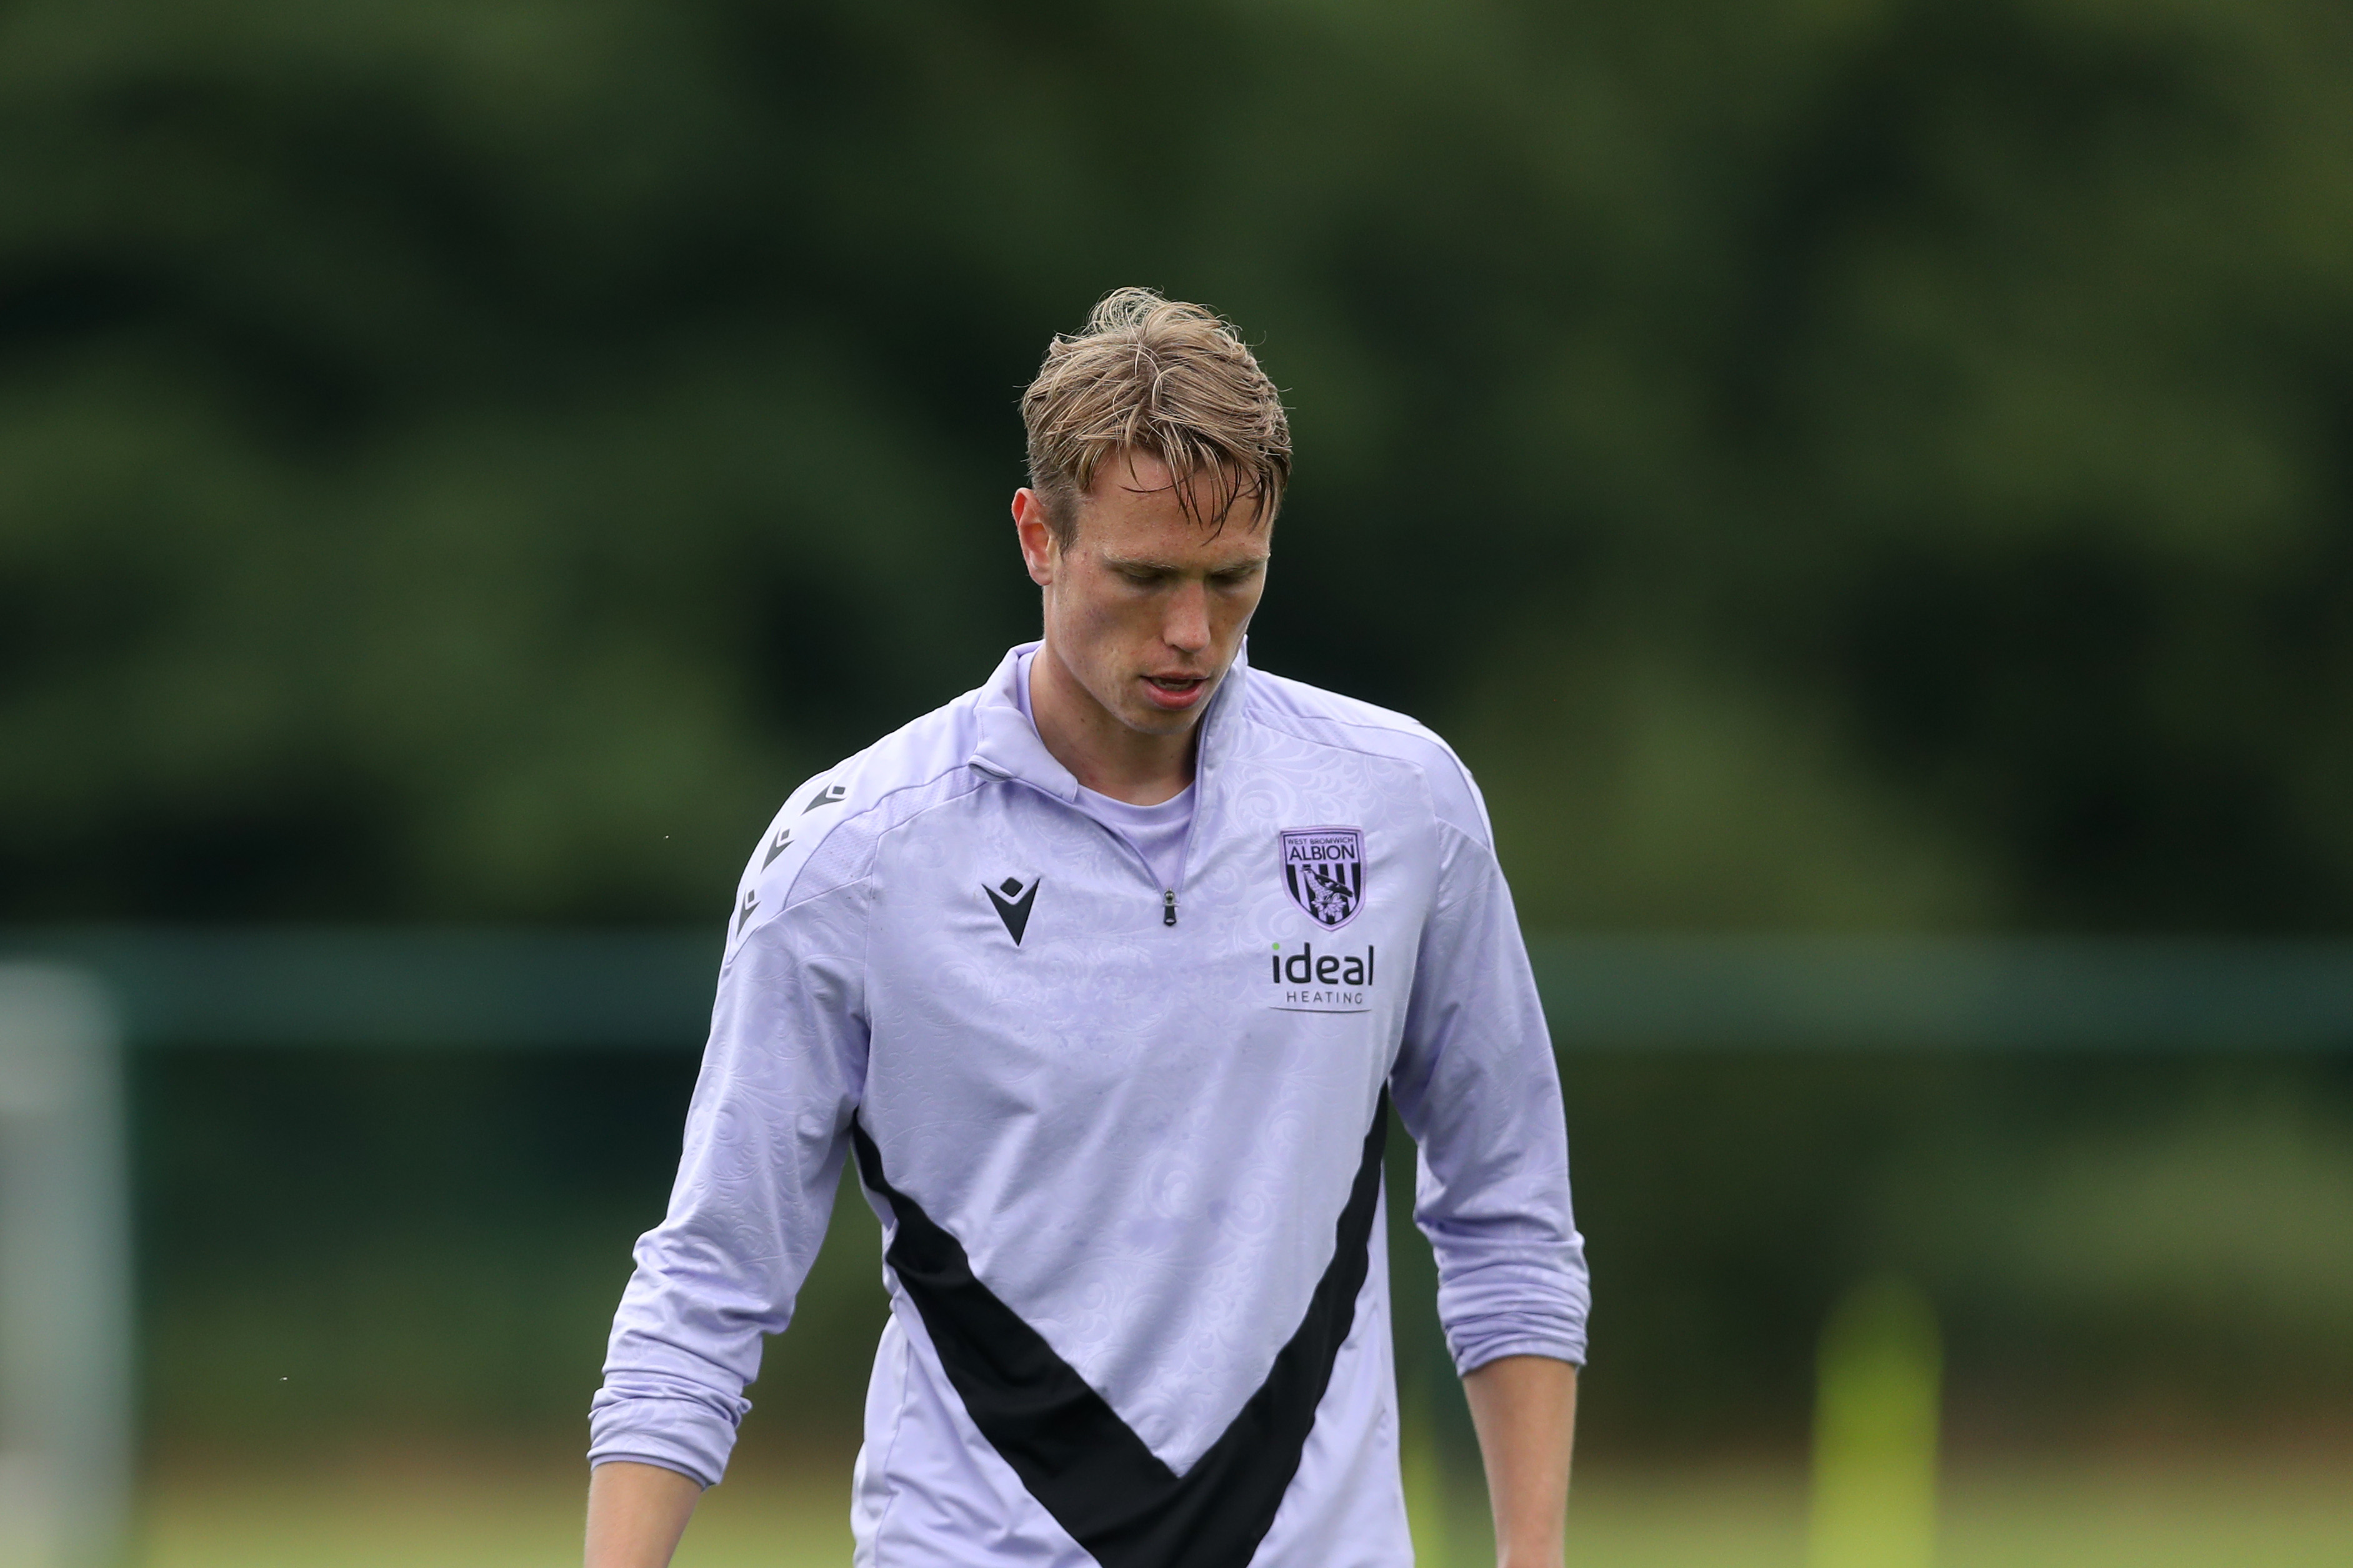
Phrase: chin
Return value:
(1152, 722)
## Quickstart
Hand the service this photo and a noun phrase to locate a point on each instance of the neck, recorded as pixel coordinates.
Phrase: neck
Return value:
(1105, 755)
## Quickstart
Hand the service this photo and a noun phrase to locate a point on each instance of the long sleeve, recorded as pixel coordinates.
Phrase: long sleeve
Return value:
(781, 1077)
(1476, 1086)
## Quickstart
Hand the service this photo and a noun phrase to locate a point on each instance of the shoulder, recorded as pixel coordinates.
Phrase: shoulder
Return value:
(823, 839)
(1323, 717)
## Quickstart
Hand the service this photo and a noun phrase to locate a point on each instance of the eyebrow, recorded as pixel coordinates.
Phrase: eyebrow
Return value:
(1145, 563)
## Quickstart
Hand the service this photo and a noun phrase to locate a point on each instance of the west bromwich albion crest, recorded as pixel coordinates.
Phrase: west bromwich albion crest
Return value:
(1323, 868)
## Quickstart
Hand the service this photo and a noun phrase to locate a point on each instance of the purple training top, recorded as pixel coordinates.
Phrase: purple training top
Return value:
(1124, 1135)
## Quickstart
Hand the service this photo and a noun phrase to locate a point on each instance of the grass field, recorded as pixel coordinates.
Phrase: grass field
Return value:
(2257, 1511)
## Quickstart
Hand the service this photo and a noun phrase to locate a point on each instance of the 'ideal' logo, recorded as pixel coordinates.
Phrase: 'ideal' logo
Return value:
(1306, 967)
(1316, 982)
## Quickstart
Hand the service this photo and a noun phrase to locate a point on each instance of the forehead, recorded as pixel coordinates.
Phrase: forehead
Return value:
(1132, 511)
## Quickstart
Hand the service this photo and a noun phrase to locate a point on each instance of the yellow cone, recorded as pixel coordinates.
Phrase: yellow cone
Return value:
(1876, 1418)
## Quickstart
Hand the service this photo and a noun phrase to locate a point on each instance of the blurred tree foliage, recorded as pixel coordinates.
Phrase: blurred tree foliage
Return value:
(1838, 463)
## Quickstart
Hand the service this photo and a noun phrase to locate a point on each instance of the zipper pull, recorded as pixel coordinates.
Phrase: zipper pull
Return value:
(1168, 907)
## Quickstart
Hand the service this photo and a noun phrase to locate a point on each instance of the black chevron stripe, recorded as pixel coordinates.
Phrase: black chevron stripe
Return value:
(1077, 1459)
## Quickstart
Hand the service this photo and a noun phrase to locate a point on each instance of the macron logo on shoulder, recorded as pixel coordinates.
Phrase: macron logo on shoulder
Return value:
(1013, 901)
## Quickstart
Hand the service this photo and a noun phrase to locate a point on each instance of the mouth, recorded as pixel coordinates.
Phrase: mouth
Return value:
(1174, 693)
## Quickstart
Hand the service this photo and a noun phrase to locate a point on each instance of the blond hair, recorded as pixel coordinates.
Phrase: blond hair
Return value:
(1158, 376)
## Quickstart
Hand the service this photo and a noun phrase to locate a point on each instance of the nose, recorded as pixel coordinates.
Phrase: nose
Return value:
(1187, 628)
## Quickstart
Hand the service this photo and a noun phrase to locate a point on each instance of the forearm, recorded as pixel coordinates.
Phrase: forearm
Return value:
(637, 1513)
(1524, 1408)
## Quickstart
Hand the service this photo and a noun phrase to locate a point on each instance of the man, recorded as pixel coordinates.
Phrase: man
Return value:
(1105, 976)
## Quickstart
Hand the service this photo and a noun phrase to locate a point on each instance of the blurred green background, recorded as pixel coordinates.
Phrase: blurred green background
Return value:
(1837, 465)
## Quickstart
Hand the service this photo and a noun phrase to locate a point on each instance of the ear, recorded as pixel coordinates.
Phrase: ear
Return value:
(1037, 540)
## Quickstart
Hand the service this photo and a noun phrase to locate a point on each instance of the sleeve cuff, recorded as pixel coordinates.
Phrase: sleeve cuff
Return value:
(600, 1456)
(682, 1435)
(1471, 1358)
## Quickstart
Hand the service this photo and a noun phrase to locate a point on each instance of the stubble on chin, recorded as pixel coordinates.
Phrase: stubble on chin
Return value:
(1140, 715)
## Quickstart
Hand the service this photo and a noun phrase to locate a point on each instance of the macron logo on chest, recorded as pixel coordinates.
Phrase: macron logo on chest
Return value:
(1013, 901)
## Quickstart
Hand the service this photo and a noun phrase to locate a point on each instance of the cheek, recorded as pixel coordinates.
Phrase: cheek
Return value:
(1100, 625)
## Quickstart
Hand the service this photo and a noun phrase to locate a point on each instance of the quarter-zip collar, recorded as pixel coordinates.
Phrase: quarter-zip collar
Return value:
(1008, 746)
